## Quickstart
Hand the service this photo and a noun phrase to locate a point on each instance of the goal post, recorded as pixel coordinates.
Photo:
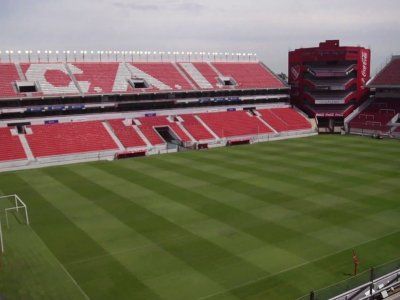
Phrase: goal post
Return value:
(10, 204)
(1, 239)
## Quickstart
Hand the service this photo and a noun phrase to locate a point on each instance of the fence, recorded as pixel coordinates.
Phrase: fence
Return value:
(363, 281)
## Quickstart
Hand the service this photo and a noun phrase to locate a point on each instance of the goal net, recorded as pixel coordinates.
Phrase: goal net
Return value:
(11, 205)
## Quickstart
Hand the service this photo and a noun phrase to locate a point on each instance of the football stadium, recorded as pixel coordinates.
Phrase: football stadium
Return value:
(199, 175)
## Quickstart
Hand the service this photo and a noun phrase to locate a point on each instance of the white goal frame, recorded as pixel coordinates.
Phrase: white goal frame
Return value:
(16, 205)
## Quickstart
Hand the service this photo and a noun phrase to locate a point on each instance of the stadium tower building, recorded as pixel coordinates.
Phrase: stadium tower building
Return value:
(380, 114)
(328, 82)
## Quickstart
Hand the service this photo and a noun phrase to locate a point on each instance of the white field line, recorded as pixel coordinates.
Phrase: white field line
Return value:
(296, 266)
(63, 268)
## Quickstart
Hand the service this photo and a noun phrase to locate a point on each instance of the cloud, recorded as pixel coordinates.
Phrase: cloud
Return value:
(268, 27)
(137, 7)
(170, 6)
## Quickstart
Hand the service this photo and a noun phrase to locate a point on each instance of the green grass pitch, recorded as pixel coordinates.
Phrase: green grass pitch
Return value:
(266, 221)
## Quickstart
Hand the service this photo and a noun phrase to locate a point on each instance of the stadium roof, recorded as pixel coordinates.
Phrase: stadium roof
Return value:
(389, 76)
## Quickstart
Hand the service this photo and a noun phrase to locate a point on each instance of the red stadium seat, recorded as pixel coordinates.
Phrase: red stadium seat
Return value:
(249, 75)
(234, 123)
(69, 138)
(8, 76)
(284, 119)
(126, 134)
(10, 146)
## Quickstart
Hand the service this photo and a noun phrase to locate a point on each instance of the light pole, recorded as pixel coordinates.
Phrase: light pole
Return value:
(57, 55)
(38, 55)
(9, 52)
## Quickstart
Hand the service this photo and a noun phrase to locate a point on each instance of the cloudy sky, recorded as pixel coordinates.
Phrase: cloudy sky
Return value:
(269, 28)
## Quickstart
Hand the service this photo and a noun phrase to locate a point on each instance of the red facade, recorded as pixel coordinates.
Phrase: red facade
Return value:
(329, 80)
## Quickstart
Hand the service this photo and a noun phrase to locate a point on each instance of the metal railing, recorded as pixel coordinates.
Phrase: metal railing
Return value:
(357, 285)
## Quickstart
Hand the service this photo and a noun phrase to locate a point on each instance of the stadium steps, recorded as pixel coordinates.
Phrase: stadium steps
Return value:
(206, 127)
(20, 73)
(22, 77)
(195, 74)
(11, 148)
(215, 69)
(357, 111)
(67, 67)
(154, 82)
(266, 124)
(184, 75)
(143, 137)
(186, 131)
(27, 149)
(110, 131)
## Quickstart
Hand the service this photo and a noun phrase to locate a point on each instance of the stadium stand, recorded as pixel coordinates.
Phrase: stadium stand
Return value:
(234, 123)
(135, 108)
(149, 134)
(93, 78)
(202, 74)
(389, 76)
(195, 128)
(284, 119)
(166, 73)
(53, 78)
(148, 125)
(10, 146)
(69, 138)
(249, 75)
(380, 116)
(126, 134)
(377, 115)
(8, 76)
(96, 77)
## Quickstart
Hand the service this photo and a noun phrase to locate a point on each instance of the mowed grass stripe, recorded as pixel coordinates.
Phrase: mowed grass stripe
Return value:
(337, 191)
(328, 153)
(309, 277)
(303, 183)
(347, 214)
(297, 222)
(148, 262)
(267, 231)
(227, 234)
(197, 252)
(267, 257)
(68, 242)
(322, 210)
